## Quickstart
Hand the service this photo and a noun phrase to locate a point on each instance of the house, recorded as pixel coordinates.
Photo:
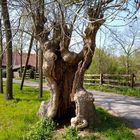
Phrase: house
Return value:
(17, 61)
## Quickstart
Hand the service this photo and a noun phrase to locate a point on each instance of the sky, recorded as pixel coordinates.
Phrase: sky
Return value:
(103, 34)
(119, 21)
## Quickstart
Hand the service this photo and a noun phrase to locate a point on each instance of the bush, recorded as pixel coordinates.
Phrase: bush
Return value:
(70, 134)
(31, 73)
(4, 73)
(43, 130)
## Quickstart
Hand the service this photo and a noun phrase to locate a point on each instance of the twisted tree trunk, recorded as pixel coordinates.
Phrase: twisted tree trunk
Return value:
(59, 76)
(64, 70)
(85, 109)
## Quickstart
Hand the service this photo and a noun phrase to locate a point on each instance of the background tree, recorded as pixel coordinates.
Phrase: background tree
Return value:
(36, 49)
(40, 64)
(104, 59)
(136, 61)
(21, 37)
(8, 33)
(128, 43)
(1, 54)
(19, 50)
(27, 60)
(103, 62)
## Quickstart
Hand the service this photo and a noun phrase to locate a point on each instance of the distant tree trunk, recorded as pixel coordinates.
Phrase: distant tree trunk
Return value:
(83, 99)
(27, 60)
(21, 52)
(64, 72)
(40, 94)
(37, 59)
(1, 56)
(9, 71)
(36, 56)
(128, 64)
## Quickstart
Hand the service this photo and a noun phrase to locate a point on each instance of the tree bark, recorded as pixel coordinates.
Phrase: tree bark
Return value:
(83, 99)
(128, 64)
(36, 56)
(59, 76)
(40, 94)
(21, 52)
(9, 71)
(1, 56)
(64, 70)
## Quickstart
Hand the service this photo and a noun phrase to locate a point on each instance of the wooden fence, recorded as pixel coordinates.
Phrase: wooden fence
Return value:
(112, 79)
(35, 75)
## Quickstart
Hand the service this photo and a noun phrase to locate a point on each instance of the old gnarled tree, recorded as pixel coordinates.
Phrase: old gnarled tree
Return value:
(64, 70)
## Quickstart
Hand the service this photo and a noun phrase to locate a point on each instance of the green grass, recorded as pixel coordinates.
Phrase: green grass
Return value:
(116, 89)
(110, 128)
(19, 115)
(16, 116)
(42, 130)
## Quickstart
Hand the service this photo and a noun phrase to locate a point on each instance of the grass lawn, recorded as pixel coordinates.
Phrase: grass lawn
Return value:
(116, 89)
(19, 115)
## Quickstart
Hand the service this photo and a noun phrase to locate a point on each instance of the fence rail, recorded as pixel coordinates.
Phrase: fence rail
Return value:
(35, 75)
(112, 79)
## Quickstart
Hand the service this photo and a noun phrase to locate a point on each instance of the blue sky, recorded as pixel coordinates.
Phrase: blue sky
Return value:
(118, 24)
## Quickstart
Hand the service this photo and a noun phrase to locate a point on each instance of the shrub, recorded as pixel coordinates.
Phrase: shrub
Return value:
(31, 73)
(70, 134)
(42, 130)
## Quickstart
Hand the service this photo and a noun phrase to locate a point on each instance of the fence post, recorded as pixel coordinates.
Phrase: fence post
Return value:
(101, 79)
(35, 75)
(132, 80)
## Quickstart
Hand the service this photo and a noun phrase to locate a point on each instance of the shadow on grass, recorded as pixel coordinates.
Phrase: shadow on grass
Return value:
(34, 97)
(28, 94)
(107, 121)
(111, 128)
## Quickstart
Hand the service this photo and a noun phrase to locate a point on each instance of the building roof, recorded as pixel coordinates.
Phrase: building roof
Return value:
(16, 59)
